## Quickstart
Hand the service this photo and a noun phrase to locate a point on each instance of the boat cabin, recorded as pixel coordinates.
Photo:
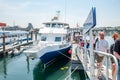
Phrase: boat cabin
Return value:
(54, 32)
(56, 25)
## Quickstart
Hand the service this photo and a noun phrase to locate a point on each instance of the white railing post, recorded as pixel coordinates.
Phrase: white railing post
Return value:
(107, 66)
(85, 53)
(91, 57)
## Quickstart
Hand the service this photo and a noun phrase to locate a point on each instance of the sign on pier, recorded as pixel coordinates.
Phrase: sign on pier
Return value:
(90, 21)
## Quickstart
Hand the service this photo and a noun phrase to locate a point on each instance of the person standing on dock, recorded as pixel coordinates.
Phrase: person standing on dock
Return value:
(101, 45)
(115, 37)
(117, 55)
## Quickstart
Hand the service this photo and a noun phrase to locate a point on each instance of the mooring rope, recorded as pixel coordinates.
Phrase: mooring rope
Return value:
(64, 55)
(71, 73)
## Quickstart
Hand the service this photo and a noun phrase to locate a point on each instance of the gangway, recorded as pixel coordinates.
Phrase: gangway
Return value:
(87, 56)
(106, 69)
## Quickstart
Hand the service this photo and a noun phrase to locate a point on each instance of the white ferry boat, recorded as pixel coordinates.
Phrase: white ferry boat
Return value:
(53, 42)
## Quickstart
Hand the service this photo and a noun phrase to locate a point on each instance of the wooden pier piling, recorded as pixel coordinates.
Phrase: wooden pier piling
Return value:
(35, 36)
(31, 35)
(3, 37)
(27, 38)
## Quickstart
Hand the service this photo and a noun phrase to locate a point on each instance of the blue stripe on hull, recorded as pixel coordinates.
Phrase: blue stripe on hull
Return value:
(53, 54)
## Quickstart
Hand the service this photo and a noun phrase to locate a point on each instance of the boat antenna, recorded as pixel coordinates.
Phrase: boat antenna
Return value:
(56, 17)
(58, 14)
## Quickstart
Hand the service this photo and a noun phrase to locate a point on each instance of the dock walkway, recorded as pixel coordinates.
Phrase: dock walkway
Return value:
(10, 47)
(75, 62)
(78, 60)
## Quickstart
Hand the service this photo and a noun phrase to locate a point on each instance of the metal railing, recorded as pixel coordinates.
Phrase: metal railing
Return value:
(87, 64)
(108, 56)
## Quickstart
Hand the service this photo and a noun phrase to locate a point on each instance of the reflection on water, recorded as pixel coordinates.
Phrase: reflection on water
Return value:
(4, 67)
(38, 74)
(28, 64)
(22, 68)
(53, 72)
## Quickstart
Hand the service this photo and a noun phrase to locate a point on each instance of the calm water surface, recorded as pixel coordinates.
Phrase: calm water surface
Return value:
(18, 68)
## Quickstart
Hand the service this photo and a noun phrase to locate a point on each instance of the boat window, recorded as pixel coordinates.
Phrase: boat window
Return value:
(60, 25)
(57, 39)
(47, 25)
(53, 25)
(43, 38)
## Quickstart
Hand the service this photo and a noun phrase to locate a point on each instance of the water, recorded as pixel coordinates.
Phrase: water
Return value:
(19, 68)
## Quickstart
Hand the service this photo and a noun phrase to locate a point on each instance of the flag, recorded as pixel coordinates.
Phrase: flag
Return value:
(90, 21)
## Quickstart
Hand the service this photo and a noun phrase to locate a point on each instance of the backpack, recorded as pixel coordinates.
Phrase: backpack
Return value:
(94, 45)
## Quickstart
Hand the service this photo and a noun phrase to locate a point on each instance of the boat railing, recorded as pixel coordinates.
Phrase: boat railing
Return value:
(105, 69)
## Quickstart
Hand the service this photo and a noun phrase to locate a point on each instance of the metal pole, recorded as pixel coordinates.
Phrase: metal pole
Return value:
(92, 75)
(107, 71)
(35, 36)
(85, 53)
(31, 35)
(27, 37)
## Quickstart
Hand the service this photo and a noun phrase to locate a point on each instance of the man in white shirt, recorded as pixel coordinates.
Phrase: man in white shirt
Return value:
(101, 45)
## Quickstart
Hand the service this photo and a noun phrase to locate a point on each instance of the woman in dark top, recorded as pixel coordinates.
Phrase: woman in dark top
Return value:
(117, 55)
(115, 37)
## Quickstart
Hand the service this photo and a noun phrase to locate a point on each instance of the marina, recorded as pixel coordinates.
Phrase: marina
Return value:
(73, 63)
(54, 48)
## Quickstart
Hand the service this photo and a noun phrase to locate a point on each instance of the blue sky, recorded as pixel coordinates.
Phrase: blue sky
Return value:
(36, 12)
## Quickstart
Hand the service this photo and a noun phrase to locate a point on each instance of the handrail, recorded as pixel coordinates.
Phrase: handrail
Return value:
(111, 56)
(107, 55)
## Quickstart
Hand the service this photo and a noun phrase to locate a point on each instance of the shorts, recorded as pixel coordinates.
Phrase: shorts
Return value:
(99, 58)
(112, 60)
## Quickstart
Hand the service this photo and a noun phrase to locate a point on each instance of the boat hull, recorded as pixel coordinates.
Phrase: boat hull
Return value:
(48, 57)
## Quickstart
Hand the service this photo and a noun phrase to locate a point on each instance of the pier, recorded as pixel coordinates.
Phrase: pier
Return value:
(85, 55)
(7, 44)
(107, 30)
(79, 63)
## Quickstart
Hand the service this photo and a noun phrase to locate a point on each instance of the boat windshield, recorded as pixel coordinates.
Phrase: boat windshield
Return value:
(57, 39)
(43, 38)
(60, 25)
(55, 25)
